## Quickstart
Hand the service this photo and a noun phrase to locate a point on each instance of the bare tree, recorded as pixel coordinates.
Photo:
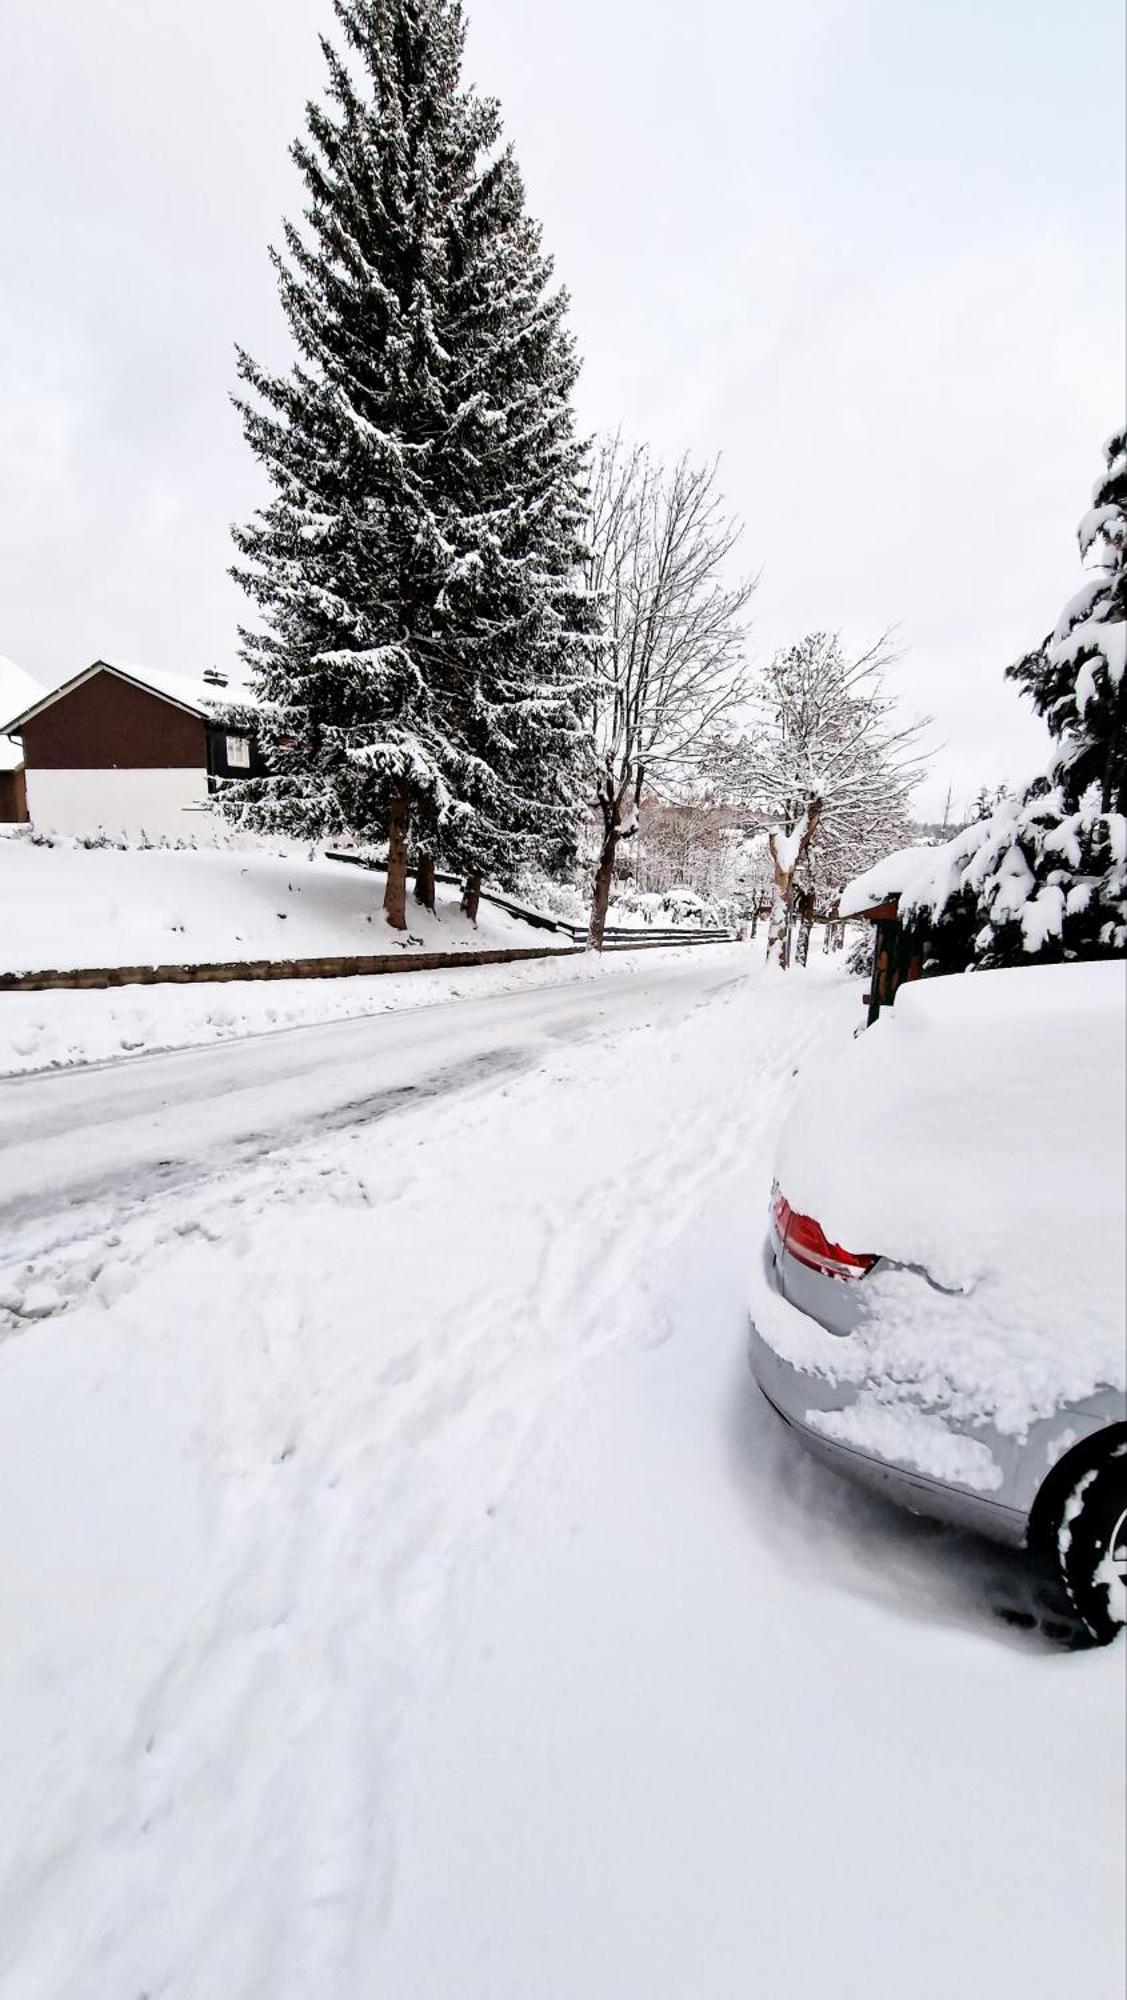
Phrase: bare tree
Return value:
(828, 766)
(669, 665)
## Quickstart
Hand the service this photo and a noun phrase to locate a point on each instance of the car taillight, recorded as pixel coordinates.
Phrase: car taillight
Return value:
(806, 1240)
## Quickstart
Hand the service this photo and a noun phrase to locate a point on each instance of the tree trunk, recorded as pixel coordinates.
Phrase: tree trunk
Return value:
(471, 897)
(395, 894)
(778, 936)
(778, 930)
(604, 876)
(805, 901)
(424, 882)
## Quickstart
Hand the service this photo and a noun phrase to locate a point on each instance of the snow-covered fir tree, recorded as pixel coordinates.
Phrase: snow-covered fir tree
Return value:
(1043, 877)
(1076, 679)
(422, 651)
(515, 671)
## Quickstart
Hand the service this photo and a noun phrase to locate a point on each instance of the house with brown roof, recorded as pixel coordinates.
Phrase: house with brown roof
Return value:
(127, 751)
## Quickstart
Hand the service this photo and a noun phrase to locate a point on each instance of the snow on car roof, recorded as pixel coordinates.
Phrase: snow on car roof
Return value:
(975, 1137)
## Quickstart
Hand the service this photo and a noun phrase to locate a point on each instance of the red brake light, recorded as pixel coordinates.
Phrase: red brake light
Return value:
(805, 1239)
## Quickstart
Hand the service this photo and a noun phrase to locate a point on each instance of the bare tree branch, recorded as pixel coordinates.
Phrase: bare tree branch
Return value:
(670, 664)
(826, 765)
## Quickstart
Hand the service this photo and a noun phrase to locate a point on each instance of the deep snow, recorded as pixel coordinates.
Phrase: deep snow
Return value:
(986, 1116)
(406, 1592)
(65, 904)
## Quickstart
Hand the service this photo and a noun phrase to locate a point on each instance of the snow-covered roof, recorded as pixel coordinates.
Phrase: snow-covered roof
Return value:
(883, 880)
(191, 691)
(195, 694)
(17, 690)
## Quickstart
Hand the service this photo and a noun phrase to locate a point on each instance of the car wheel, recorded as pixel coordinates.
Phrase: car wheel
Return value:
(1091, 1544)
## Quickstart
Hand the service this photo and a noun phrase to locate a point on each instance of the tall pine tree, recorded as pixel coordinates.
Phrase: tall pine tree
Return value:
(421, 657)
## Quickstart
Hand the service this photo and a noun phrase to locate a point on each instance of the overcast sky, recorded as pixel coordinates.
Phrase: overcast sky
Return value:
(869, 251)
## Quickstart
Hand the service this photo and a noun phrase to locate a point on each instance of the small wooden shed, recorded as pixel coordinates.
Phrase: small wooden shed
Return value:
(875, 896)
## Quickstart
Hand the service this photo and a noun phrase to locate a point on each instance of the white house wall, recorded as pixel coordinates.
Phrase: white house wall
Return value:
(163, 804)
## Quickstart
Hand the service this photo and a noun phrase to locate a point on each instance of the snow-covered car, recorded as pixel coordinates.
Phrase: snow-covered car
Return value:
(940, 1311)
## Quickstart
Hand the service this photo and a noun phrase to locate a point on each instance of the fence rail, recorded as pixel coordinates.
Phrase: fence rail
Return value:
(614, 934)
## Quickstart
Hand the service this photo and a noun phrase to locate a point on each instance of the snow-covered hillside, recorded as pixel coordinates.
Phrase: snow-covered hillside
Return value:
(407, 1593)
(69, 905)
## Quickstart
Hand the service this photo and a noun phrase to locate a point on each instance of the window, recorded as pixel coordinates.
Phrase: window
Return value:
(238, 753)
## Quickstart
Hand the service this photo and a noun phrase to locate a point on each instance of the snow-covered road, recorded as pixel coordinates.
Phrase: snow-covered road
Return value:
(407, 1597)
(111, 1134)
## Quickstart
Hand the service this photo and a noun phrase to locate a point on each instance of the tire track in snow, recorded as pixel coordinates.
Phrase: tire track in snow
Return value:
(387, 1319)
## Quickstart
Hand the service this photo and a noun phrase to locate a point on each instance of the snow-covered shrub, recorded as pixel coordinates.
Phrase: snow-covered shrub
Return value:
(684, 906)
(1044, 877)
(679, 906)
(859, 957)
(1033, 883)
(554, 898)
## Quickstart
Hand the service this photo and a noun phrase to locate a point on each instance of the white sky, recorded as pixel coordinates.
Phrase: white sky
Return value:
(871, 251)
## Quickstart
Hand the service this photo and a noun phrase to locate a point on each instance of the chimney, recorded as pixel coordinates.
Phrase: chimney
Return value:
(214, 678)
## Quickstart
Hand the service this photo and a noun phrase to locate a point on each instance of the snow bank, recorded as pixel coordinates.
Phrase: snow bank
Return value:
(407, 1592)
(56, 1030)
(65, 905)
(246, 1456)
(975, 1134)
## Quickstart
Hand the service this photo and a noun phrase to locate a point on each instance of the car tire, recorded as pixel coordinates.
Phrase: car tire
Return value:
(1091, 1547)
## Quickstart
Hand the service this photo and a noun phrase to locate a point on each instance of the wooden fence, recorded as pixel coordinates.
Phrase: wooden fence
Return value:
(621, 935)
(618, 937)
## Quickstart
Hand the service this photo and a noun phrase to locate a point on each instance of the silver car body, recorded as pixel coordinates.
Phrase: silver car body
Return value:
(798, 1395)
